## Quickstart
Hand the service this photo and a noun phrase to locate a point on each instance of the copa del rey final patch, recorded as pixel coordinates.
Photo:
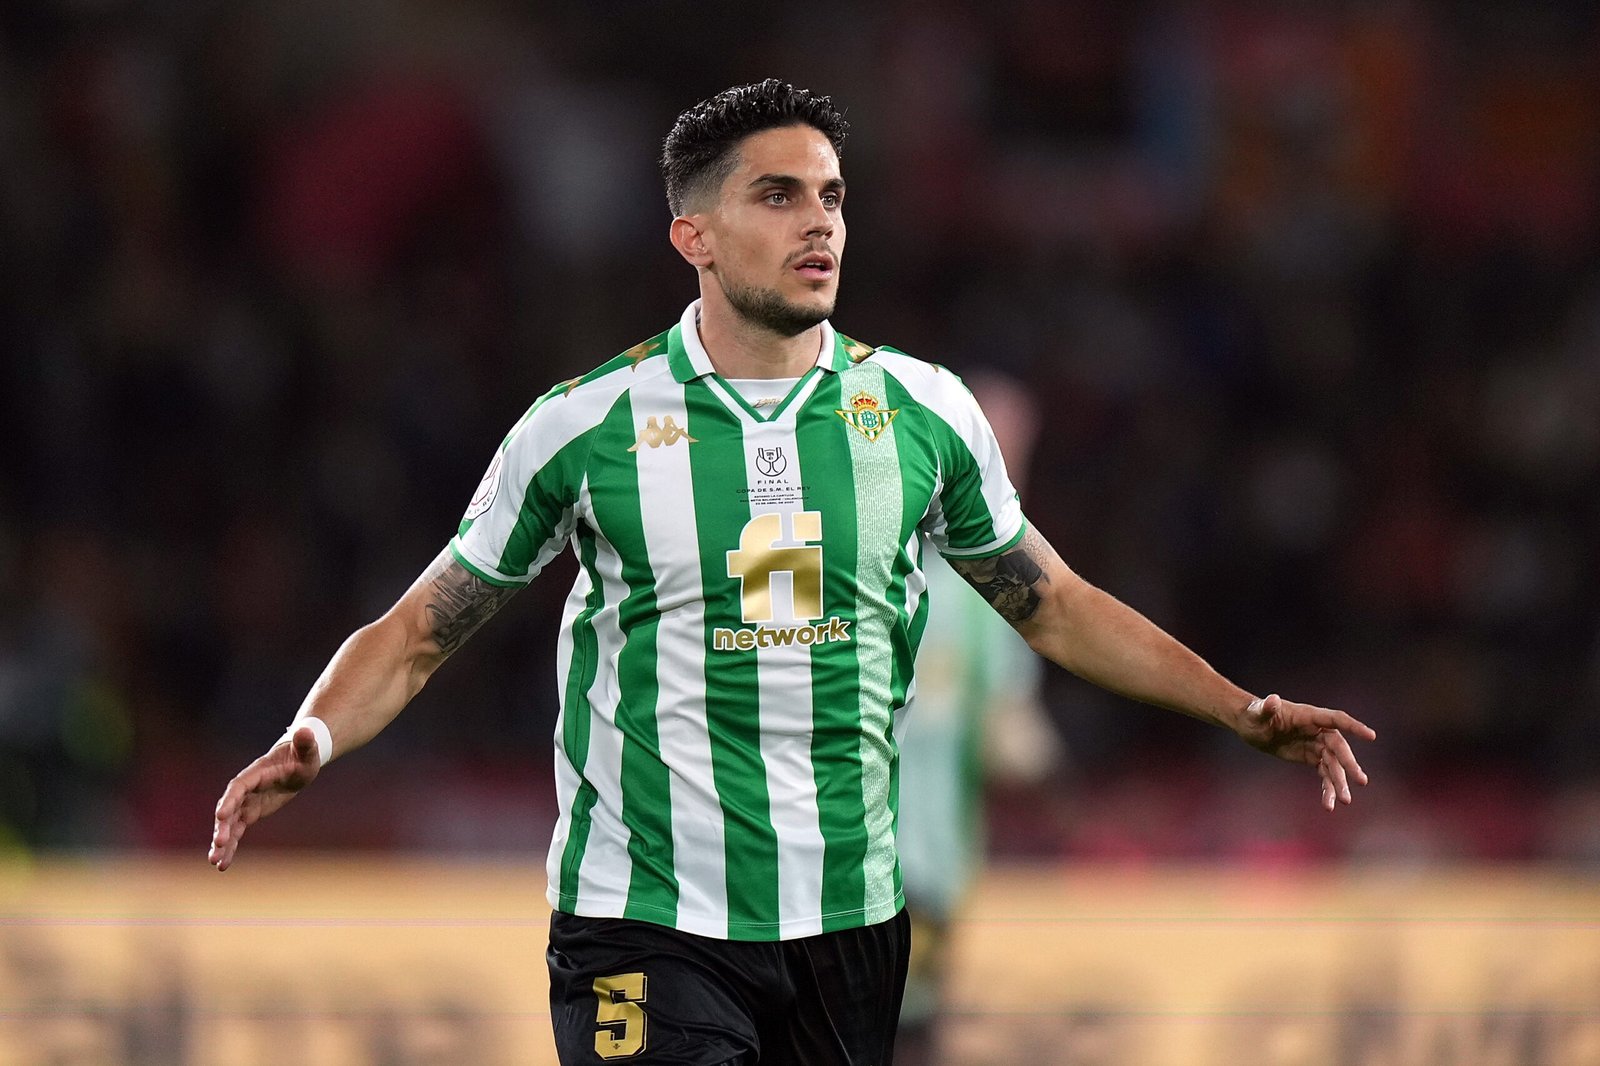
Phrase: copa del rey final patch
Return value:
(488, 488)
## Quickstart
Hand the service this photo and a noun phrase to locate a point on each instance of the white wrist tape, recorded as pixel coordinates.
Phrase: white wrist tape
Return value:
(318, 727)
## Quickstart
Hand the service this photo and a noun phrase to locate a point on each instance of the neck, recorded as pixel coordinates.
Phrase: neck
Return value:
(740, 348)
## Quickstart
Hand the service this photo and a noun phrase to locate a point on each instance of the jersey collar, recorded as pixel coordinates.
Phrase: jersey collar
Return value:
(688, 358)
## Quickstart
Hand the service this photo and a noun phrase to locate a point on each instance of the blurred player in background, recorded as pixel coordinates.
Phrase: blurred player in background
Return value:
(748, 494)
(976, 705)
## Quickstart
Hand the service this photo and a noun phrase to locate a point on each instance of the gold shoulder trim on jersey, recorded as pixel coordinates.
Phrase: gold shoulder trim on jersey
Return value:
(639, 352)
(856, 350)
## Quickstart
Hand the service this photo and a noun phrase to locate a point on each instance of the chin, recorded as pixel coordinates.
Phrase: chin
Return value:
(819, 300)
(821, 306)
(786, 314)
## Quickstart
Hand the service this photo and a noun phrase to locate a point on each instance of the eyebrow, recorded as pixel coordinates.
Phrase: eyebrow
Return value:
(789, 181)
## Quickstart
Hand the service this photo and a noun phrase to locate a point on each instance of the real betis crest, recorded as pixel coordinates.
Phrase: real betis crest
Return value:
(866, 416)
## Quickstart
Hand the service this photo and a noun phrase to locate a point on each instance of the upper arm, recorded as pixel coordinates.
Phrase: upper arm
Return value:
(1023, 584)
(445, 606)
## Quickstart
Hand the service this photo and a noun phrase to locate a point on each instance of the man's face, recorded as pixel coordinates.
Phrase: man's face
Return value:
(776, 233)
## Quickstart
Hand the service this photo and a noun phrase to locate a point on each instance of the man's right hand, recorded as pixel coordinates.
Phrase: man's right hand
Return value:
(260, 789)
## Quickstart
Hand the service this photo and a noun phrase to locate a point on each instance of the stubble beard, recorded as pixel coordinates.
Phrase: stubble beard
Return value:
(768, 310)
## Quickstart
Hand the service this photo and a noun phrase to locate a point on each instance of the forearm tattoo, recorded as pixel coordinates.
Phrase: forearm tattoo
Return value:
(460, 602)
(1010, 581)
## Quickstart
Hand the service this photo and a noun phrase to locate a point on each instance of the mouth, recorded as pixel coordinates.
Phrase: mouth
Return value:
(816, 266)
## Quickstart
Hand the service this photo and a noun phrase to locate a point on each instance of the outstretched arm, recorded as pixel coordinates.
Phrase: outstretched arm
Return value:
(1099, 638)
(371, 678)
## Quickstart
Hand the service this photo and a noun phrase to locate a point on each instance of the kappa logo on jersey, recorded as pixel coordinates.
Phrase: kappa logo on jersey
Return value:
(869, 419)
(758, 557)
(770, 461)
(667, 432)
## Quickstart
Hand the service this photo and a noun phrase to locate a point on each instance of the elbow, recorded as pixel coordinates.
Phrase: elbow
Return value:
(1044, 639)
(1051, 629)
(409, 654)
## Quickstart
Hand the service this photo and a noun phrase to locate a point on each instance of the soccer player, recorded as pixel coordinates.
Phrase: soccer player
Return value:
(749, 495)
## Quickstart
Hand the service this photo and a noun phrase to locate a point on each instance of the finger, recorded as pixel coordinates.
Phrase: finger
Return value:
(1347, 724)
(226, 843)
(222, 846)
(1328, 797)
(225, 858)
(225, 834)
(1331, 719)
(233, 808)
(1347, 757)
(1334, 771)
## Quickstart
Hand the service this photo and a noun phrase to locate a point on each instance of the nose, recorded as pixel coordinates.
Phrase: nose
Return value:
(819, 223)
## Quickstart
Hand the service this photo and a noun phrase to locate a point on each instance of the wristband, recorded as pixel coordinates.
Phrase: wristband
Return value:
(320, 729)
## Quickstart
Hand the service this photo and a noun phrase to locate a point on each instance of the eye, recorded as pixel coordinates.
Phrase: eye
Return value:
(830, 200)
(777, 198)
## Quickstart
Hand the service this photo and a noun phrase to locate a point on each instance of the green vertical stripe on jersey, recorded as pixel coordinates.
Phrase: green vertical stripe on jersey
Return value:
(836, 710)
(542, 506)
(732, 684)
(575, 722)
(879, 496)
(916, 480)
(646, 787)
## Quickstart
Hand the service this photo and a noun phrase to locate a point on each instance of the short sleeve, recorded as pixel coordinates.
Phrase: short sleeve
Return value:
(976, 511)
(524, 508)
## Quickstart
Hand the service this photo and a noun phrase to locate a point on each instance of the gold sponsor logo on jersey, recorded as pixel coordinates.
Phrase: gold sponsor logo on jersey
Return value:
(758, 557)
(829, 632)
(868, 417)
(665, 432)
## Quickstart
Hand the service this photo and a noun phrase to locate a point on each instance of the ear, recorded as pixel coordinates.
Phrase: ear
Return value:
(690, 238)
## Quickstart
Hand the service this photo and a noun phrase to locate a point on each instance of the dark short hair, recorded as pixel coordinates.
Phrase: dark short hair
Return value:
(701, 149)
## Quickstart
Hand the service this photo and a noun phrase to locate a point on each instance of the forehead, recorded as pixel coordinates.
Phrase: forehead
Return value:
(797, 151)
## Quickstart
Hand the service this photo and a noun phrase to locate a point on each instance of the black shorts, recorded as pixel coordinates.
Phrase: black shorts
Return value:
(632, 992)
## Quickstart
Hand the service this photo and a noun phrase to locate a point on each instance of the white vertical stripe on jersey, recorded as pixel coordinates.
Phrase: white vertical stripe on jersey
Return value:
(784, 679)
(666, 504)
(879, 501)
(566, 774)
(605, 873)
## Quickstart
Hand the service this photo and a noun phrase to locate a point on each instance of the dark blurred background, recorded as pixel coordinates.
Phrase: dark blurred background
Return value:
(1309, 291)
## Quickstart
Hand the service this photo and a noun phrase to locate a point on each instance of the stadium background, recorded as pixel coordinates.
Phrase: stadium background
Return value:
(1309, 293)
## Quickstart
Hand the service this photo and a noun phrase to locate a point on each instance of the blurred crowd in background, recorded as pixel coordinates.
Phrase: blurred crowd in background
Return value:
(1309, 294)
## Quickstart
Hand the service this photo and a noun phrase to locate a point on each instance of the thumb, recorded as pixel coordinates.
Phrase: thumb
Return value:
(304, 744)
(1264, 706)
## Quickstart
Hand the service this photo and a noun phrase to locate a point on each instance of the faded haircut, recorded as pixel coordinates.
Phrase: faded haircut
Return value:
(702, 148)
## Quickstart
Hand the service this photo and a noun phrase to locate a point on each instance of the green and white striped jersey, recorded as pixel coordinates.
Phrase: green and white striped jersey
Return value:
(740, 637)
